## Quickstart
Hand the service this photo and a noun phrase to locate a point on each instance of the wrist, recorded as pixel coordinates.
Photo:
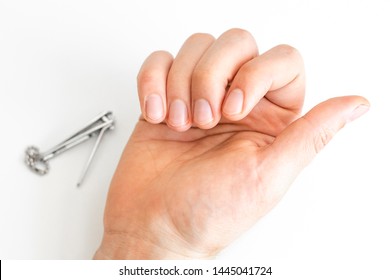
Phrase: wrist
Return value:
(119, 247)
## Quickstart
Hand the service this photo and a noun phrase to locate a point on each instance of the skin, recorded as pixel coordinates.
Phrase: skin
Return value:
(193, 178)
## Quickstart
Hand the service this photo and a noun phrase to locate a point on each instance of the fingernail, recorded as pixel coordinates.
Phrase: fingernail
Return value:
(359, 111)
(202, 112)
(154, 107)
(178, 115)
(234, 102)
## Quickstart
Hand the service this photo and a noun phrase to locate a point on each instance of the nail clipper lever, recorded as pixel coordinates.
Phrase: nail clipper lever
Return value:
(38, 162)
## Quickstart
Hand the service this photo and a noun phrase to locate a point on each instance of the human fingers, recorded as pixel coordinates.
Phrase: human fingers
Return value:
(179, 80)
(301, 141)
(151, 83)
(278, 74)
(215, 70)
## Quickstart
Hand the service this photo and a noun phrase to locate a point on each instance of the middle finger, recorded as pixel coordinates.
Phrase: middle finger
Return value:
(212, 74)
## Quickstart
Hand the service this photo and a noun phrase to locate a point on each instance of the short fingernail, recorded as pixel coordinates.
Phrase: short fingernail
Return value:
(234, 102)
(154, 107)
(357, 112)
(202, 112)
(178, 115)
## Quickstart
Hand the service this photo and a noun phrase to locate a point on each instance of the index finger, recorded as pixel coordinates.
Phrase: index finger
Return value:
(278, 74)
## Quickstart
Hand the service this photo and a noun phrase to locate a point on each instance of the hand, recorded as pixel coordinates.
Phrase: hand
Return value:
(220, 142)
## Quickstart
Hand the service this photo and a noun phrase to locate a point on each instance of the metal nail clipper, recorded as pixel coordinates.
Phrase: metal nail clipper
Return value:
(38, 162)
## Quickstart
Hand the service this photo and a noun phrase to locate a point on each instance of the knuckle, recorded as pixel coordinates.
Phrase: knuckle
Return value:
(242, 38)
(240, 34)
(147, 76)
(293, 55)
(249, 70)
(200, 37)
(202, 75)
(322, 138)
(162, 54)
(289, 51)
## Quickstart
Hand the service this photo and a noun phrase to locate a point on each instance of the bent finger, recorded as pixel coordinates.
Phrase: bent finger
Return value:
(151, 82)
(179, 80)
(278, 74)
(215, 71)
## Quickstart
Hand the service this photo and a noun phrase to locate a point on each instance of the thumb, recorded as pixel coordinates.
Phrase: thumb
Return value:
(301, 141)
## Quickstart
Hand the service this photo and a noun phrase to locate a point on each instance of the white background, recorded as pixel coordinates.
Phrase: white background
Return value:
(63, 62)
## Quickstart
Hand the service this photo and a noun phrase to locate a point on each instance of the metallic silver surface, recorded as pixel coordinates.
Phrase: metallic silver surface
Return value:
(38, 162)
